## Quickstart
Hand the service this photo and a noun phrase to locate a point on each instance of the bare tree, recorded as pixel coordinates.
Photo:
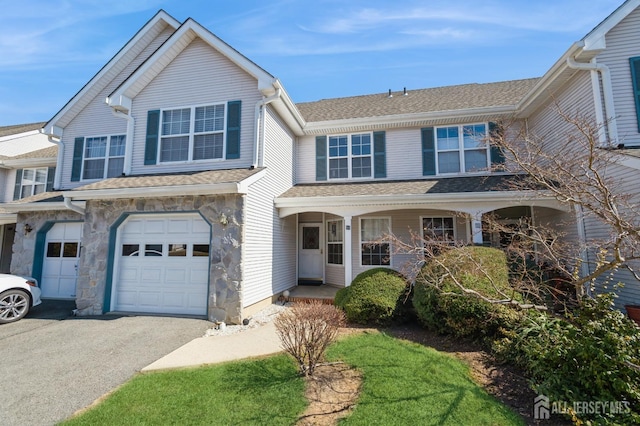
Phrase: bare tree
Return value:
(575, 169)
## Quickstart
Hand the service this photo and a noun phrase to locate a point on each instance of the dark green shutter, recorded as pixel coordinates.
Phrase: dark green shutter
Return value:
(151, 142)
(379, 155)
(497, 155)
(18, 186)
(635, 80)
(76, 166)
(321, 158)
(428, 151)
(233, 129)
(51, 173)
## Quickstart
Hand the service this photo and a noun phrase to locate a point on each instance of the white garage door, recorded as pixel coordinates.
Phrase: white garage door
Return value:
(162, 265)
(60, 265)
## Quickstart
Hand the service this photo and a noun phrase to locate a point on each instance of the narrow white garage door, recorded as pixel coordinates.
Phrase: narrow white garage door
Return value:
(162, 265)
(60, 265)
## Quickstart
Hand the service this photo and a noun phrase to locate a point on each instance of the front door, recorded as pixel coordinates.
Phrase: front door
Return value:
(61, 257)
(310, 255)
(6, 249)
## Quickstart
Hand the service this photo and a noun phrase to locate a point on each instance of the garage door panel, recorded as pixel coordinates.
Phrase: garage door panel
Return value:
(60, 262)
(174, 282)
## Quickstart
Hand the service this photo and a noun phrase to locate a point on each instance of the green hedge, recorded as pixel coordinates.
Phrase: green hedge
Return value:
(380, 296)
(482, 269)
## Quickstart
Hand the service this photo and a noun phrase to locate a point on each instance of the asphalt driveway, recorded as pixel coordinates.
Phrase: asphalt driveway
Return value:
(53, 364)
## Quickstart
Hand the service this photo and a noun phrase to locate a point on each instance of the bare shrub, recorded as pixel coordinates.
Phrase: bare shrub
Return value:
(306, 330)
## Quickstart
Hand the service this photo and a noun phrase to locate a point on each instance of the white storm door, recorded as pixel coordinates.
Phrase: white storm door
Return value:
(310, 255)
(61, 257)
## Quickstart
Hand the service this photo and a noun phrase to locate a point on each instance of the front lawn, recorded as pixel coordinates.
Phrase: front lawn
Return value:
(403, 383)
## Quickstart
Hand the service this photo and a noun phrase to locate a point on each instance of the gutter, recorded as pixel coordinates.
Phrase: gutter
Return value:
(607, 94)
(128, 147)
(258, 136)
(68, 204)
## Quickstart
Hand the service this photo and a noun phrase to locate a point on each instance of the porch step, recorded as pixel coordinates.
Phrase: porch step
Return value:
(303, 299)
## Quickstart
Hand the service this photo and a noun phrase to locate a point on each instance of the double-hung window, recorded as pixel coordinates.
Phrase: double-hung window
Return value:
(195, 133)
(374, 249)
(334, 242)
(34, 181)
(462, 148)
(103, 156)
(350, 156)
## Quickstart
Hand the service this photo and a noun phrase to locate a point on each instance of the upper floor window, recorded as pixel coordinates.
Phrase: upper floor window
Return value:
(34, 181)
(462, 148)
(195, 133)
(350, 156)
(103, 156)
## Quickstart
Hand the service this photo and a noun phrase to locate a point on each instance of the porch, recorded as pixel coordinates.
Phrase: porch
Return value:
(307, 293)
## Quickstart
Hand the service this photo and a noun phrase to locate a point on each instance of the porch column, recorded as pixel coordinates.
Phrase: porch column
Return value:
(346, 255)
(476, 228)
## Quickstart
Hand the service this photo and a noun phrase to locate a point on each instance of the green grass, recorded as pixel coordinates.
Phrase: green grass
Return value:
(403, 383)
(259, 392)
(408, 384)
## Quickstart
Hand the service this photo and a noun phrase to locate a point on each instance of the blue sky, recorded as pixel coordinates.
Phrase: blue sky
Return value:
(319, 49)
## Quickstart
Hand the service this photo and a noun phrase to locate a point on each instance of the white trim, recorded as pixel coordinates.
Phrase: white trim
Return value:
(461, 150)
(189, 30)
(19, 135)
(8, 218)
(37, 206)
(350, 157)
(106, 157)
(29, 163)
(360, 219)
(50, 128)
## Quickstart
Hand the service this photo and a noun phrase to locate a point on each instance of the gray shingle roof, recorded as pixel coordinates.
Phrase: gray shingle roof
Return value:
(449, 98)
(404, 187)
(20, 128)
(49, 152)
(172, 179)
(43, 197)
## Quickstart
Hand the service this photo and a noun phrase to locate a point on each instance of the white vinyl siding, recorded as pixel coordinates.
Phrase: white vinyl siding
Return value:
(95, 117)
(269, 252)
(623, 42)
(400, 163)
(198, 76)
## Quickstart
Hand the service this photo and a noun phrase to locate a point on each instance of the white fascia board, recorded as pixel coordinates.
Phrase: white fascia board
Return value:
(129, 89)
(629, 161)
(417, 200)
(160, 16)
(19, 135)
(29, 162)
(8, 218)
(291, 110)
(318, 127)
(595, 40)
(53, 131)
(157, 191)
(243, 186)
(34, 207)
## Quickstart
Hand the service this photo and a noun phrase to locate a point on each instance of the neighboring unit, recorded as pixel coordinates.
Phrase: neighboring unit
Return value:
(188, 182)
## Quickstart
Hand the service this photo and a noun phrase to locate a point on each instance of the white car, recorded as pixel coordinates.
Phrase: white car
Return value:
(17, 296)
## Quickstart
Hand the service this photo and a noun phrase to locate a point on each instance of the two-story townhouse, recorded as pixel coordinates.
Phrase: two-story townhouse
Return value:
(598, 77)
(188, 182)
(164, 193)
(27, 167)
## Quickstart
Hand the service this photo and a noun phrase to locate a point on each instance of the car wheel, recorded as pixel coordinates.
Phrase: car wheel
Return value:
(14, 304)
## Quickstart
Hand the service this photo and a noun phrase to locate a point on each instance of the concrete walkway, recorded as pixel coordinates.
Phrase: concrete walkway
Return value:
(250, 343)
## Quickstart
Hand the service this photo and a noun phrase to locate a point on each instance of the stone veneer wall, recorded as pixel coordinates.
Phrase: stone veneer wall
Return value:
(223, 212)
(24, 244)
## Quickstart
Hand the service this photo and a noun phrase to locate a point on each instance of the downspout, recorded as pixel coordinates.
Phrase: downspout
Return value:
(68, 204)
(57, 176)
(258, 136)
(128, 147)
(607, 94)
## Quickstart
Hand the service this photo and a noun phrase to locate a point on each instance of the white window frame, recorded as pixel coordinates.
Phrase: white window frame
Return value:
(361, 242)
(192, 134)
(350, 156)
(33, 182)
(461, 149)
(339, 225)
(107, 157)
(455, 231)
